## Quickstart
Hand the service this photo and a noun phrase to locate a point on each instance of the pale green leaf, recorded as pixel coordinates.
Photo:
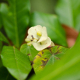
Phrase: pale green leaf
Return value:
(15, 19)
(17, 63)
(29, 50)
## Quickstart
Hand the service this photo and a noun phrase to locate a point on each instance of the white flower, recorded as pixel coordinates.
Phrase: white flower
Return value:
(37, 36)
(42, 45)
(38, 32)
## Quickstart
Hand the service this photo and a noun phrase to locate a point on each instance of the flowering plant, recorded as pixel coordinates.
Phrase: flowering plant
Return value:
(23, 55)
(37, 36)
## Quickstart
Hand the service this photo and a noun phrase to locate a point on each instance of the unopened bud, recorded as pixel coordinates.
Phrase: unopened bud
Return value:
(29, 44)
(27, 40)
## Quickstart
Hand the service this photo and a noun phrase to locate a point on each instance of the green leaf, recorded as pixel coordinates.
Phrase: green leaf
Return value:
(69, 13)
(57, 53)
(29, 50)
(1, 45)
(68, 68)
(15, 19)
(3, 38)
(47, 57)
(54, 29)
(4, 74)
(17, 63)
(0, 62)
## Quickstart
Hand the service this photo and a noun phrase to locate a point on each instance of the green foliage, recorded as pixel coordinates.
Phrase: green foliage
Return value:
(4, 74)
(15, 19)
(0, 18)
(48, 57)
(69, 13)
(68, 68)
(29, 50)
(17, 63)
(3, 38)
(0, 22)
(52, 63)
(56, 54)
(54, 29)
(1, 44)
(0, 62)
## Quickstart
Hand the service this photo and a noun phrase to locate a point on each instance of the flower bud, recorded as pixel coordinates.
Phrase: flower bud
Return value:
(29, 44)
(27, 40)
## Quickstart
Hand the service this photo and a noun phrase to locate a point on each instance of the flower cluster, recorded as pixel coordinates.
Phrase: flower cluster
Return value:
(37, 36)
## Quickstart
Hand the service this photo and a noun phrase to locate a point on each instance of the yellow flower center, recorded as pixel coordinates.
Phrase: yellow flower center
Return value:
(39, 33)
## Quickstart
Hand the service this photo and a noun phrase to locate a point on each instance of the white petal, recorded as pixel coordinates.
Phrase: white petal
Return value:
(29, 37)
(44, 35)
(38, 28)
(44, 32)
(42, 46)
(42, 39)
(32, 32)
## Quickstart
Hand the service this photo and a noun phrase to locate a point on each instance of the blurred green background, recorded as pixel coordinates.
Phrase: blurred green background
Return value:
(46, 6)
